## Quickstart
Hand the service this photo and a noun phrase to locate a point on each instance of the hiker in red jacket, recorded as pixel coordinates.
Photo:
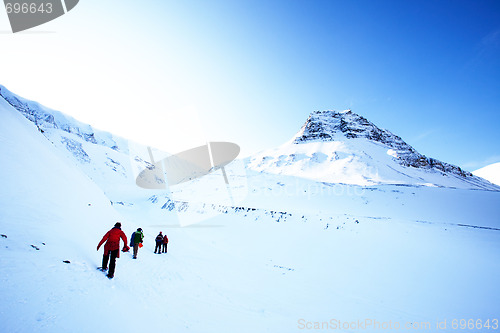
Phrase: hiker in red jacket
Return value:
(112, 248)
(165, 242)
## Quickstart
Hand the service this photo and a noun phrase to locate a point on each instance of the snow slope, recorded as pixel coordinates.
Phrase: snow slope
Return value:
(281, 254)
(490, 172)
(50, 212)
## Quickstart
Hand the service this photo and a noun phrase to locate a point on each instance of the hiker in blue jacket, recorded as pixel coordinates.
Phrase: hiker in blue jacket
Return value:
(159, 243)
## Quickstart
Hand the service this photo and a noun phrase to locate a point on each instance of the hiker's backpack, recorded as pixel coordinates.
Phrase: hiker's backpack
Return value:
(138, 237)
(132, 239)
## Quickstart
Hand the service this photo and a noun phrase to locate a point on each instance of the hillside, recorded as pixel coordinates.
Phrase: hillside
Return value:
(490, 172)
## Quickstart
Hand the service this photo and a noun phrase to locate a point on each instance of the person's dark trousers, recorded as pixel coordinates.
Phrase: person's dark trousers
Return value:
(112, 262)
(158, 247)
(136, 249)
(164, 248)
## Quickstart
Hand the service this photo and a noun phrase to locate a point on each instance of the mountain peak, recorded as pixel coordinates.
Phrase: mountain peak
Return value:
(333, 125)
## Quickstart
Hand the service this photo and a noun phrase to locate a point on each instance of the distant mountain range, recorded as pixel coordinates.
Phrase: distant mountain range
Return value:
(331, 147)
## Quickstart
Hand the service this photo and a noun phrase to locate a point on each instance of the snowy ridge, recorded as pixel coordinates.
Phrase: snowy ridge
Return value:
(102, 156)
(45, 118)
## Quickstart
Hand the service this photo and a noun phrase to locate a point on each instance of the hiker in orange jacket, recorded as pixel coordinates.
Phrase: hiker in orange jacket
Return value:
(112, 248)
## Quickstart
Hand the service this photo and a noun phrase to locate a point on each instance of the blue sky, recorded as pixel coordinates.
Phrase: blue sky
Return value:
(177, 73)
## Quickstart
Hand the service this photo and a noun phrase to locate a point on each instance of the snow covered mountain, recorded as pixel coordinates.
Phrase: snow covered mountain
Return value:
(490, 172)
(344, 147)
(282, 253)
(331, 147)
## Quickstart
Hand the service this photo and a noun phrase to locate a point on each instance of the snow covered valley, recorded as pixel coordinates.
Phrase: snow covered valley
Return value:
(271, 252)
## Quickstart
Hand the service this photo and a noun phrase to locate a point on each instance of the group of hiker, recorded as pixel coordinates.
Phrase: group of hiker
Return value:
(161, 243)
(112, 246)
